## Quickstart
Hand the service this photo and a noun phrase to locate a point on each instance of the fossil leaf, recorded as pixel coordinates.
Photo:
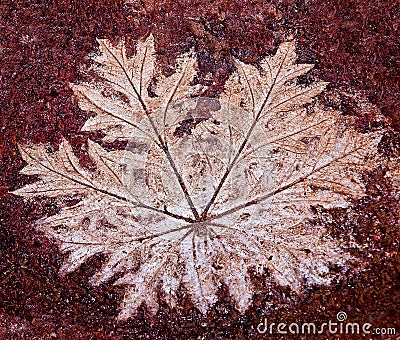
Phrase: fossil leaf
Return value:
(206, 191)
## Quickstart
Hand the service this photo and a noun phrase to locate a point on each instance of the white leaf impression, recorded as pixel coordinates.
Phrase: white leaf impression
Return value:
(206, 190)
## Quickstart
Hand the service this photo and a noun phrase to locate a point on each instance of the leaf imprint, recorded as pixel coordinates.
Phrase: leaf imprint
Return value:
(207, 189)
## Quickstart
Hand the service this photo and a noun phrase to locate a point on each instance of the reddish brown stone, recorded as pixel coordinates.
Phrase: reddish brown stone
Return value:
(355, 45)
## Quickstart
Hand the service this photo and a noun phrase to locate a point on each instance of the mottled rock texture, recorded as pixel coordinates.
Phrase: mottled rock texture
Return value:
(355, 46)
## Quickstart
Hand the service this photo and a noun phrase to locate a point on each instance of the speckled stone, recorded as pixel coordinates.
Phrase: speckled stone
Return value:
(43, 46)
